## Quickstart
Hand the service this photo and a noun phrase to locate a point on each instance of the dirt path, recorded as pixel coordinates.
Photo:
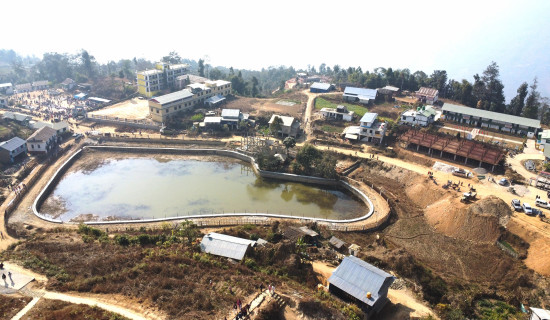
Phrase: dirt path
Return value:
(309, 109)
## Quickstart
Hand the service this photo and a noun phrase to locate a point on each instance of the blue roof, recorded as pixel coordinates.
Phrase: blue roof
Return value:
(12, 144)
(361, 92)
(320, 86)
(356, 277)
(369, 117)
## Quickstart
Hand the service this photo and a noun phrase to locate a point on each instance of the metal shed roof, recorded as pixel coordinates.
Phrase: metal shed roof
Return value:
(429, 92)
(320, 86)
(534, 123)
(174, 96)
(369, 117)
(337, 243)
(230, 113)
(225, 246)
(12, 144)
(361, 92)
(356, 277)
(287, 121)
(541, 313)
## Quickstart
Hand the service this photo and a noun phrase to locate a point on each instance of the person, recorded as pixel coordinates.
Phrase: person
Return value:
(1, 265)
(4, 276)
(261, 287)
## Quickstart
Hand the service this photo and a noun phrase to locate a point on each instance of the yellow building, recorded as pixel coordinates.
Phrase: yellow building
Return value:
(163, 107)
(150, 82)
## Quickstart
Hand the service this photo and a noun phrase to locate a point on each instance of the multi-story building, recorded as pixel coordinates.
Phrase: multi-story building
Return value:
(150, 82)
(421, 116)
(370, 130)
(163, 107)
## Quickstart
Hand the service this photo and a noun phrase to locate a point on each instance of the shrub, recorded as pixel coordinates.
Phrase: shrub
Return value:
(122, 240)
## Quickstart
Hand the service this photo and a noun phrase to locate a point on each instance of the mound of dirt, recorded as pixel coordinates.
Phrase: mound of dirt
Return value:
(478, 222)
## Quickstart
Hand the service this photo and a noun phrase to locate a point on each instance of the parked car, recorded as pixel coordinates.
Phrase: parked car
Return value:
(542, 203)
(516, 204)
(503, 182)
(527, 209)
(459, 172)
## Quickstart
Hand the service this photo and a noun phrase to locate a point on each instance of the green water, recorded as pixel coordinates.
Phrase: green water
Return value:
(141, 188)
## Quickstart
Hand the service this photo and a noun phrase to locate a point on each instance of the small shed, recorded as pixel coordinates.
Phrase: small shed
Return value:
(354, 249)
(226, 246)
(337, 243)
(294, 233)
(539, 314)
(357, 281)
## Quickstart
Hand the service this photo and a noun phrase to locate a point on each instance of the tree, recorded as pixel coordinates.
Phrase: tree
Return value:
(216, 74)
(276, 125)
(518, 102)
(532, 104)
(254, 86)
(121, 74)
(289, 142)
(489, 89)
(173, 57)
(88, 63)
(438, 80)
(201, 67)
(188, 230)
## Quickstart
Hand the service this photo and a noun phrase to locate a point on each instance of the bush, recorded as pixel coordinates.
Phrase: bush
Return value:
(122, 240)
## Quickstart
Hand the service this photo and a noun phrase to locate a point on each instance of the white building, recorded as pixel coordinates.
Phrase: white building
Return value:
(360, 95)
(42, 141)
(340, 113)
(370, 130)
(421, 116)
(289, 127)
(6, 88)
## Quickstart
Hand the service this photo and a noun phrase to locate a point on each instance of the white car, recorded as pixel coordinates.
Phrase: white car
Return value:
(527, 209)
(542, 203)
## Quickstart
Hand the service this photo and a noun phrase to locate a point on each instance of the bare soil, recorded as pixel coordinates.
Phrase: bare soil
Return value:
(135, 109)
(46, 309)
(10, 305)
(264, 107)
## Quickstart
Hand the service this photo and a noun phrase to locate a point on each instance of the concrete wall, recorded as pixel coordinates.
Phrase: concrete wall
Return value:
(219, 152)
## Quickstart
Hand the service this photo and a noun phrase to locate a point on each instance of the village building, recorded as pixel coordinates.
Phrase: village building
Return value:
(226, 246)
(23, 87)
(40, 85)
(539, 314)
(340, 113)
(427, 95)
(357, 281)
(370, 130)
(230, 117)
(42, 141)
(492, 120)
(68, 84)
(184, 80)
(6, 88)
(338, 244)
(306, 234)
(3, 102)
(421, 116)
(59, 127)
(388, 92)
(163, 77)
(360, 95)
(319, 87)
(163, 107)
(289, 127)
(11, 149)
(22, 118)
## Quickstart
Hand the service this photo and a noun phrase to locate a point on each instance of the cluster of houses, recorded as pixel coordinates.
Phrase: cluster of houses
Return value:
(43, 141)
(354, 280)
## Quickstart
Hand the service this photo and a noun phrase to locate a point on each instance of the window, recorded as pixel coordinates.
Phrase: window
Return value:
(32, 146)
(158, 111)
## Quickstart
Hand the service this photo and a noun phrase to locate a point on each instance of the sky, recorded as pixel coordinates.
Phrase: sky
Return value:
(462, 37)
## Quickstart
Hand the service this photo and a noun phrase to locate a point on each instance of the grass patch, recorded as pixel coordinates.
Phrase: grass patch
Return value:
(507, 245)
(323, 103)
(331, 129)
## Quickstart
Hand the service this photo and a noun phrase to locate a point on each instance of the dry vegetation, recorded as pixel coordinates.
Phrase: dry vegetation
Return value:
(11, 305)
(47, 309)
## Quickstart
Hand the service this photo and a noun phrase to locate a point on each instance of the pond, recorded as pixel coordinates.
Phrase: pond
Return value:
(144, 188)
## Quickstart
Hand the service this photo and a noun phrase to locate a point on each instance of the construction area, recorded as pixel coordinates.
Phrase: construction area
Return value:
(451, 148)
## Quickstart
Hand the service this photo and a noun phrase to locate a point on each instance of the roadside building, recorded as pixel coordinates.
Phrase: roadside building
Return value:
(6, 88)
(319, 87)
(226, 246)
(59, 127)
(360, 95)
(12, 148)
(232, 117)
(214, 100)
(340, 113)
(68, 84)
(42, 141)
(22, 118)
(492, 120)
(357, 281)
(421, 116)
(427, 95)
(370, 130)
(289, 127)
(163, 77)
(539, 314)
(40, 85)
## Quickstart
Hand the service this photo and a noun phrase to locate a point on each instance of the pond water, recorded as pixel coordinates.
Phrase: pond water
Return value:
(142, 188)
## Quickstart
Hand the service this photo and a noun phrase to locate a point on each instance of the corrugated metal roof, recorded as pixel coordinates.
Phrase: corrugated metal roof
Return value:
(225, 246)
(308, 231)
(12, 144)
(174, 96)
(391, 88)
(6, 85)
(361, 92)
(287, 121)
(16, 116)
(41, 83)
(356, 277)
(42, 134)
(320, 86)
(429, 92)
(212, 119)
(337, 242)
(541, 313)
(491, 115)
(230, 113)
(369, 117)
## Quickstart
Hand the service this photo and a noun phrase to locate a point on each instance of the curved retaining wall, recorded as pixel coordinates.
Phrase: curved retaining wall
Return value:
(219, 152)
